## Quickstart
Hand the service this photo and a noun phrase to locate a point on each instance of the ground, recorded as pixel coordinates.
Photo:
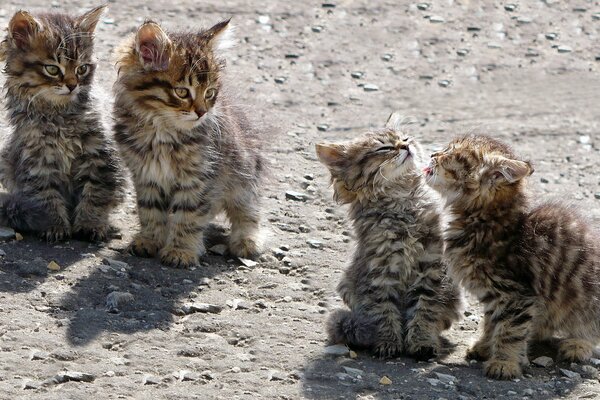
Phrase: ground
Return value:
(526, 73)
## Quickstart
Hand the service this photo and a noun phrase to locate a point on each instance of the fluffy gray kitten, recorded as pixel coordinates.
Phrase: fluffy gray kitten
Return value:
(396, 286)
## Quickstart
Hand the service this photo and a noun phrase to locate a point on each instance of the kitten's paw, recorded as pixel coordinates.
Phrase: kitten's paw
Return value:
(143, 247)
(575, 350)
(421, 345)
(505, 370)
(388, 349)
(179, 258)
(244, 248)
(480, 352)
(57, 233)
(91, 233)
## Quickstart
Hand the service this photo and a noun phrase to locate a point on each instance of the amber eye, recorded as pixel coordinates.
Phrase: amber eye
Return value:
(52, 70)
(182, 92)
(210, 93)
(83, 69)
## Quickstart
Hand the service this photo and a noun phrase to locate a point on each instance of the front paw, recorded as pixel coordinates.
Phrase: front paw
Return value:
(575, 350)
(422, 346)
(57, 233)
(143, 247)
(505, 370)
(388, 348)
(244, 248)
(179, 258)
(480, 352)
(90, 233)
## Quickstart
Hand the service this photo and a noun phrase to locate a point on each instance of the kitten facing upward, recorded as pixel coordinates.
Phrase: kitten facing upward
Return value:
(191, 151)
(535, 269)
(61, 172)
(396, 286)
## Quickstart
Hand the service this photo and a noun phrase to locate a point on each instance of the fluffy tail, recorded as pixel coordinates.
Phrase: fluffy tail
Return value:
(354, 329)
(23, 213)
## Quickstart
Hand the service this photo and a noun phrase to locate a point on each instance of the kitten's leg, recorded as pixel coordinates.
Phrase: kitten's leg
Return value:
(98, 191)
(192, 209)
(481, 349)
(513, 326)
(152, 212)
(390, 325)
(575, 349)
(244, 213)
(58, 216)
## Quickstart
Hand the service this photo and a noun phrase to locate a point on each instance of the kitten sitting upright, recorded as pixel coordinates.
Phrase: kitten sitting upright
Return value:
(61, 172)
(191, 151)
(535, 270)
(396, 286)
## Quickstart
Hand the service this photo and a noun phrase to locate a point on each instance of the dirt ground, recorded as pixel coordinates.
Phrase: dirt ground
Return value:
(526, 72)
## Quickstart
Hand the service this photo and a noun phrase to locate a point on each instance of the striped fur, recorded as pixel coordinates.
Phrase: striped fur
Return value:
(396, 286)
(60, 170)
(535, 270)
(191, 151)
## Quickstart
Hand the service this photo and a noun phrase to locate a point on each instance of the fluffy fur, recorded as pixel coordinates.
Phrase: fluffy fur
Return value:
(535, 270)
(191, 151)
(60, 170)
(396, 286)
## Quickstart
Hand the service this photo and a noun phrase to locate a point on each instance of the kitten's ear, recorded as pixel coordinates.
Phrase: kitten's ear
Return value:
(22, 28)
(88, 21)
(153, 46)
(394, 121)
(511, 171)
(220, 37)
(330, 154)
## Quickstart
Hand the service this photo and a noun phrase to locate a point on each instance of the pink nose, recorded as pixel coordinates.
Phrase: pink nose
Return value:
(200, 112)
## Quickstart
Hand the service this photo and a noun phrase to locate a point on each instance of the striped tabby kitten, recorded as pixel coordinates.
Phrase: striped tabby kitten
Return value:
(535, 270)
(396, 286)
(61, 172)
(191, 151)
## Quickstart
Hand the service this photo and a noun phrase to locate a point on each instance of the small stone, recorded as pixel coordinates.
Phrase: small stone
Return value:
(436, 19)
(108, 21)
(39, 355)
(354, 372)
(238, 304)
(584, 139)
(510, 7)
(385, 381)
(524, 20)
(263, 19)
(444, 83)
(110, 374)
(352, 354)
(336, 350)
(494, 45)
(296, 196)
(7, 233)
(423, 6)
(356, 74)
(531, 53)
(551, 35)
(275, 375)
(570, 374)
(564, 49)
(115, 264)
(115, 300)
(191, 308)
(2, 253)
(247, 262)
(595, 361)
(315, 244)
(29, 385)
(287, 299)
(317, 28)
(528, 392)
(589, 371)
(543, 361)
(596, 16)
(544, 180)
(53, 266)
(323, 127)
(72, 376)
(280, 79)
(150, 380)
(369, 87)
(445, 378)
(387, 57)
(462, 52)
(433, 381)
(511, 393)
(219, 249)
(328, 5)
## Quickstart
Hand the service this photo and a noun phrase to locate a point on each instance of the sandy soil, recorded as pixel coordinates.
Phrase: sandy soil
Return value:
(525, 72)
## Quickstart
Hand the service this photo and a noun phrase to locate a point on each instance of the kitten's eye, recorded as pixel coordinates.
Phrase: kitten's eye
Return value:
(385, 149)
(82, 69)
(210, 94)
(52, 70)
(182, 92)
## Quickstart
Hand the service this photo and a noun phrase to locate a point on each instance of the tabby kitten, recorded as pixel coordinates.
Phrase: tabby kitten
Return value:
(190, 149)
(61, 172)
(535, 270)
(396, 286)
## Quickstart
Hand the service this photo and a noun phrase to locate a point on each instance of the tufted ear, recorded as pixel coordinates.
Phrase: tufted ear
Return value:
(22, 28)
(88, 21)
(153, 46)
(220, 37)
(511, 171)
(331, 155)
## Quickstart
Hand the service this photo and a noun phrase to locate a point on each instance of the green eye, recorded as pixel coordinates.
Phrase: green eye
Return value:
(182, 92)
(210, 94)
(52, 70)
(83, 69)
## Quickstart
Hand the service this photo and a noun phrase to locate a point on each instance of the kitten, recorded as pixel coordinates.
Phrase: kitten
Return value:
(535, 270)
(61, 172)
(396, 286)
(190, 149)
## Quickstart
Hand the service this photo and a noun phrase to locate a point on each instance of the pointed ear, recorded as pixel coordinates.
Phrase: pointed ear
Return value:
(511, 171)
(88, 21)
(394, 121)
(330, 154)
(22, 28)
(153, 46)
(220, 37)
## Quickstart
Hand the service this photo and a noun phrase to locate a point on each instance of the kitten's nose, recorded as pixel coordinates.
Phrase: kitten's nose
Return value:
(403, 146)
(71, 87)
(199, 111)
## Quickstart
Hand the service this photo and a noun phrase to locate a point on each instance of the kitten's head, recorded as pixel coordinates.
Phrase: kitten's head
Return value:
(49, 57)
(373, 164)
(173, 78)
(478, 171)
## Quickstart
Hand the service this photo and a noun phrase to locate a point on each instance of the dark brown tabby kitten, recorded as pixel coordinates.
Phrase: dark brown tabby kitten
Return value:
(191, 150)
(396, 286)
(535, 270)
(61, 172)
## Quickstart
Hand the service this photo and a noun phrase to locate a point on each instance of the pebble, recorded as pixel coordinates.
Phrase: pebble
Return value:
(387, 57)
(510, 7)
(280, 79)
(296, 196)
(219, 249)
(18, 236)
(444, 83)
(589, 371)
(323, 127)
(584, 139)
(369, 87)
(185, 375)
(543, 361)
(595, 361)
(29, 385)
(315, 244)
(353, 354)
(423, 6)
(445, 378)
(528, 392)
(150, 380)
(551, 35)
(116, 264)
(70, 376)
(336, 350)
(564, 49)
(356, 74)
(436, 19)
(238, 304)
(524, 20)
(7, 233)
(263, 19)
(462, 52)
(544, 180)
(275, 375)
(53, 266)
(354, 372)
(385, 381)
(2, 253)
(191, 308)
(115, 300)
(433, 381)
(596, 16)
(39, 355)
(570, 374)
(247, 262)
(317, 28)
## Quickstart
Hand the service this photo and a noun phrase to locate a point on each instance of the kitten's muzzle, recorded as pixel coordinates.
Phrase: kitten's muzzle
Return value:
(199, 112)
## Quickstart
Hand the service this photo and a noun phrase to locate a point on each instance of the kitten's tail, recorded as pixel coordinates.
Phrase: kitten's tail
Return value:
(23, 213)
(352, 328)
